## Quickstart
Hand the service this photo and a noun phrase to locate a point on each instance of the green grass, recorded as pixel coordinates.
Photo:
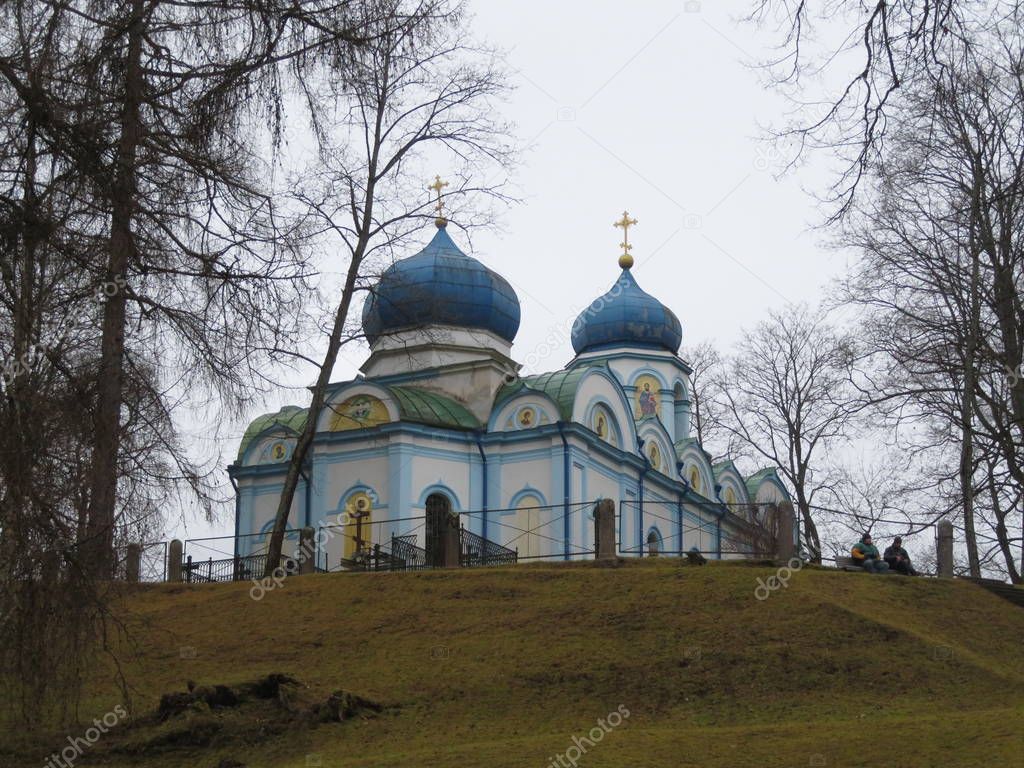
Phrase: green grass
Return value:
(502, 667)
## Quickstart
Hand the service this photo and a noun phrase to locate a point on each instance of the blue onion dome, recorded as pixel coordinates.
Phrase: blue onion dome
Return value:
(441, 285)
(626, 316)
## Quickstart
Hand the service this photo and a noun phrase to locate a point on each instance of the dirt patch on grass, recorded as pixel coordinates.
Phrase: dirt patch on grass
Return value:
(219, 715)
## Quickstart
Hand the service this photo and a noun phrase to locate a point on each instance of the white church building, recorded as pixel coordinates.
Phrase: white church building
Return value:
(440, 422)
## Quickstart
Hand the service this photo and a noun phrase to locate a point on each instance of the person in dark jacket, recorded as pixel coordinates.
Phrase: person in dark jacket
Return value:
(898, 559)
(865, 554)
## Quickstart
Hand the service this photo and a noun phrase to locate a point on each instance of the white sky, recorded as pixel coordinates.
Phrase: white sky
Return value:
(653, 107)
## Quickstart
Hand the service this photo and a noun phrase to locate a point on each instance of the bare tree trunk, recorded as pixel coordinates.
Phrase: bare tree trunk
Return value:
(405, 98)
(1002, 537)
(968, 404)
(103, 490)
(305, 440)
(810, 529)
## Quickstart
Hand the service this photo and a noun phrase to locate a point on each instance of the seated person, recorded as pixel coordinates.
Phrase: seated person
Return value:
(898, 559)
(865, 554)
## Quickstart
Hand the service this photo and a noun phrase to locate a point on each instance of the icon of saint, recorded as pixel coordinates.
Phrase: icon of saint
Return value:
(648, 402)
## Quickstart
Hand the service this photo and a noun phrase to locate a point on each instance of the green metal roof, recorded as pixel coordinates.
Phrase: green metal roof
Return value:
(560, 386)
(685, 442)
(718, 466)
(426, 407)
(290, 416)
(755, 480)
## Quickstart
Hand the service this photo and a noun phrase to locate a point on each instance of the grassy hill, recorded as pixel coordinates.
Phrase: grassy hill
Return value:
(503, 667)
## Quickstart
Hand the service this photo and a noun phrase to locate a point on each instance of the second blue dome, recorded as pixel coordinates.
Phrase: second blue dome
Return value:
(626, 316)
(441, 285)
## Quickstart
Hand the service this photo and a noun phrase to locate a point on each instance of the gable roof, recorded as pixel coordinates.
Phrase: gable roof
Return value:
(291, 417)
(755, 479)
(423, 406)
(560, 386)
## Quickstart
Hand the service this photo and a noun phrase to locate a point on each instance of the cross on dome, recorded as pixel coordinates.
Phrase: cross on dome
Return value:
(437, 186)
(625, 260)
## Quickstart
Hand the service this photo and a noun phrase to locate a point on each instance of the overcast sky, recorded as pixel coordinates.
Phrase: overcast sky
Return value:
(651, 107)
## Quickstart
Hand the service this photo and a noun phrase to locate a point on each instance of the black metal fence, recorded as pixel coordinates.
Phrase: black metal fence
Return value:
(502, 537)
(474, 549)
(401, 553)
(232, 569)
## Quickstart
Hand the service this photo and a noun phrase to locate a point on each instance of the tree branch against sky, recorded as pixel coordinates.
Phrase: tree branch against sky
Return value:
(157, 122)
(843, 65)
(789, 401)
(421, 92)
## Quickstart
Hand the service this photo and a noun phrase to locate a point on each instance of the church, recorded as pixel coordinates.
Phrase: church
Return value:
(442, 425)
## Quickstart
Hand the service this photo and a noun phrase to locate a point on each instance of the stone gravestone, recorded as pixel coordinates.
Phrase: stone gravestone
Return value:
(307, 551)
(133, 563)
(944, 549)
(784, 547)
(450, 542)
(174, 551)
(604, 529)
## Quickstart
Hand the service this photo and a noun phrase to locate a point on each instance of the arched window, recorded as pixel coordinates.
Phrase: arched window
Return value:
(529, 537)
(682, 413)
(653, 544)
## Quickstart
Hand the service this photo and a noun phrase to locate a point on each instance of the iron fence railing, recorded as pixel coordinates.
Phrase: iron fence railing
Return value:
(407, 554)
(232, 569)
(474, 549)
(400, 554)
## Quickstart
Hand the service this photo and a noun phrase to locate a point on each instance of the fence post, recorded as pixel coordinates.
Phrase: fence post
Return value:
(604, 529)
(451, 543)
(133, 563)
(307, 551)
(784, 532)
(174, 552)
(944, 548)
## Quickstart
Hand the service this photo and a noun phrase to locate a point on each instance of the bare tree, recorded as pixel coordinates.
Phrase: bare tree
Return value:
(420, 89)
(941, 269)
(877, 490)
(705, 383)
(844, 65)
(789, 400)
(137, 200)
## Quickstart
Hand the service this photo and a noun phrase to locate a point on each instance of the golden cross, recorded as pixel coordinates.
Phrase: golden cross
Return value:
(625, 260)
(437, 186)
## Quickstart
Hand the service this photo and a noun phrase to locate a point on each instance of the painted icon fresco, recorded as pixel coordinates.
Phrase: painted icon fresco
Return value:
(276, 450)
(648, 392)
(654, 455)
(359, 412)
(695, 479)
(527, 417)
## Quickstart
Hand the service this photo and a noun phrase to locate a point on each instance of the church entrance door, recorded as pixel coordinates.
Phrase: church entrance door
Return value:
(439, 511)
(528, 538)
